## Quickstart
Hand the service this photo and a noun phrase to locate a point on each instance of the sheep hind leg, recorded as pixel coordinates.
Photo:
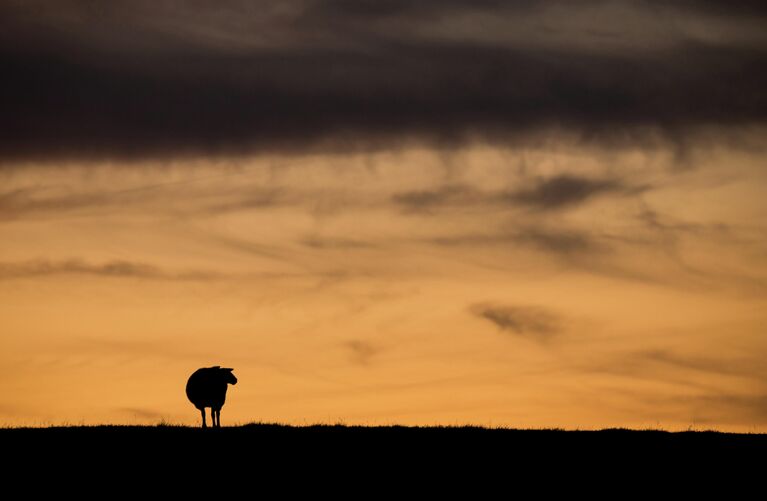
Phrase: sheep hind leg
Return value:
(204, 424)
(217, 417)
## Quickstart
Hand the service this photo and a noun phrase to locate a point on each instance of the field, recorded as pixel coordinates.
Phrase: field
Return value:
(379, 457)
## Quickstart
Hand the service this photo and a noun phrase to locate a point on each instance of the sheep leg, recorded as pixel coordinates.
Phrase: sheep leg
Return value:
(217, 414)
(202, 411)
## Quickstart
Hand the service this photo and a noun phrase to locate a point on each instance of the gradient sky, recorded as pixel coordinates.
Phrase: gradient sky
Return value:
(518, 213)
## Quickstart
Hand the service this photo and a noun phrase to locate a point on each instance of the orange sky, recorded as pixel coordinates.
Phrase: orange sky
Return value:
(556, 284)
(529, 214)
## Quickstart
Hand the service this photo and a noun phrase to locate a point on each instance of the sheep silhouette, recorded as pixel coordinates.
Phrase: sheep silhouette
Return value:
(207, 388)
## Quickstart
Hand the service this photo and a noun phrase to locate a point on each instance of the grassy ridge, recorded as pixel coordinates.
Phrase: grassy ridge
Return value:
(436, 441)
(381, 455)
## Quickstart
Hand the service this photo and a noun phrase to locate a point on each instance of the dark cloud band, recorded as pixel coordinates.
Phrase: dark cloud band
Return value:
(98, 85)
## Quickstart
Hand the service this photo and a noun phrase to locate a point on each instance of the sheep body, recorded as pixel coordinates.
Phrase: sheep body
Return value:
(207, 387)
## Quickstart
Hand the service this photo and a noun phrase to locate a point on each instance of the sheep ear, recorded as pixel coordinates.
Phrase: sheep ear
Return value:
(230, 369)
(216, 367)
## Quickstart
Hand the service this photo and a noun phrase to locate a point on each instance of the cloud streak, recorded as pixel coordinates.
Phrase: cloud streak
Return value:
(330, 243)
(361, 351)
(743, 366)
(564, 191)
(140, 413)
(553, 193)
(532, 322)
(561, 242)
(114, 269)
(444, 197)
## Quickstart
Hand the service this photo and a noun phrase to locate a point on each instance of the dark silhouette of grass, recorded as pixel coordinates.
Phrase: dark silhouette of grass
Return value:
(387, 436)
(376, 457)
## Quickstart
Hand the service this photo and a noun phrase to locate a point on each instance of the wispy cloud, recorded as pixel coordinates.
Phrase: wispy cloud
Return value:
(115, 268)
(557, 192)
(40, 201)
(251, 198)
(361, 351)
(662, 362)
(669, 230)
(561, 242)
(732, 407)
(140, 413)
(454, 195)
(565, 191)
(319, 242)
(532, 322)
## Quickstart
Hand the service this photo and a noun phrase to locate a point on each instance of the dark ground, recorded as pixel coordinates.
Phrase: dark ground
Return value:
(368, 461)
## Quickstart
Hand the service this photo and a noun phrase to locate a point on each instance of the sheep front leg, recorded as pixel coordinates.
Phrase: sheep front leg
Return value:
(202, 411)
